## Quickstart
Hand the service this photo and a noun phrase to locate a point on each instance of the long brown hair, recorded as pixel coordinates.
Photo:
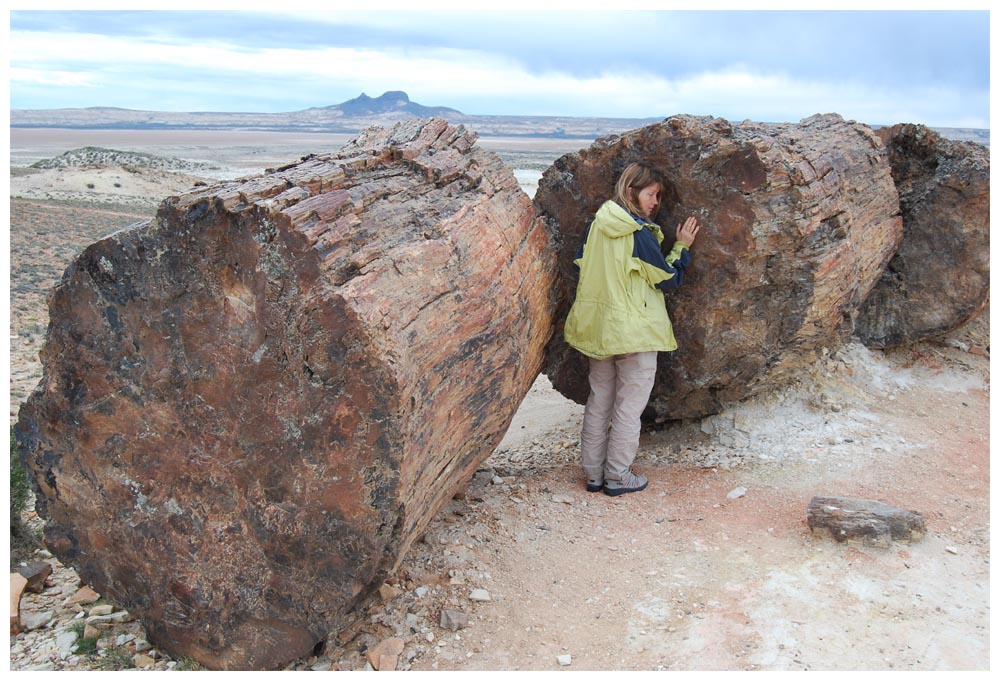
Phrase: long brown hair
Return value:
(633, 180)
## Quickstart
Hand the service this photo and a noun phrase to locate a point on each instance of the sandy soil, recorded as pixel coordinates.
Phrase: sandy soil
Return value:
(686, 575)
(681, 576)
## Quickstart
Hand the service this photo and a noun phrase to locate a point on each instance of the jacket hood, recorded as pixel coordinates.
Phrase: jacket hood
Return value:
(615, 221)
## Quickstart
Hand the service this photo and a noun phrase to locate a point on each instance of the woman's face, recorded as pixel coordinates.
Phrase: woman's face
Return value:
(648, 199)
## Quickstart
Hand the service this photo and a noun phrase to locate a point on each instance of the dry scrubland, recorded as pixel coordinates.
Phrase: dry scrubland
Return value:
(712, 567)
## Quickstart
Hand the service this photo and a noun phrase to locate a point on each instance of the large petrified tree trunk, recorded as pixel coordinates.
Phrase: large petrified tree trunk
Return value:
(799, 222)
(940, 277)
(253, 404)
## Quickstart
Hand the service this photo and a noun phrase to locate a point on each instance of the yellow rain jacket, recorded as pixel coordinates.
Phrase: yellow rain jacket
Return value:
(619, 306)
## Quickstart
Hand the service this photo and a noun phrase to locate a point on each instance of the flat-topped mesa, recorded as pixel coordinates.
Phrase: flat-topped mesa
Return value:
(254, 403)
(940, 277)
(799, 222)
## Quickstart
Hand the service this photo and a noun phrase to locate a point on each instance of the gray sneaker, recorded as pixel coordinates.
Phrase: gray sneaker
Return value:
(630, 482)
(595, 484)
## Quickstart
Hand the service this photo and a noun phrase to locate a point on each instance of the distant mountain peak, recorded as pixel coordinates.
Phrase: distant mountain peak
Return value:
(392, 101)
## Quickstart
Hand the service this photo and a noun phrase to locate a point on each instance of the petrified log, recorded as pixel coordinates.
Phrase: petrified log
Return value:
(864, 520)
(253, 404)
(939, 278)
(798, 223)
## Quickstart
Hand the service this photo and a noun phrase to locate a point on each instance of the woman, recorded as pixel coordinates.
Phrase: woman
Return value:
(619, 321)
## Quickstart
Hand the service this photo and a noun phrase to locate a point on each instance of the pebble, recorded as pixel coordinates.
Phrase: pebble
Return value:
(83, 596)
(36, 620)
(562, 499)
(480, 595)
(388, 592)
(65, 641)
(43, 667)
(951, 549)
(737, 493)
(114, 618)
(564, 660)
(454, 619)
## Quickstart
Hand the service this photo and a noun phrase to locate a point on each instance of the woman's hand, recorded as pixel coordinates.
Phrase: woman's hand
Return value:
(688, 231)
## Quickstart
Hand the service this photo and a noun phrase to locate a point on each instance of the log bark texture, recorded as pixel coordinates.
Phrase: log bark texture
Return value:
(864, 520)
(799, 220)
(940, 277)
(254, 403)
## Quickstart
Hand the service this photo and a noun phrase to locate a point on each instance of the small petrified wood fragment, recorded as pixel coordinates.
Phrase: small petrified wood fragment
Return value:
(252, 405)
(799, 221)
(36, 572)
(940, 277)
(864, 520)
(18, 584)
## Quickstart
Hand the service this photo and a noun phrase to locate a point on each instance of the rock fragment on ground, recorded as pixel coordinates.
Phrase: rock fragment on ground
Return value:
(18, 583)
(36, 572)
(453, 620)
(481, 595)
(384, 656)
(864, 520)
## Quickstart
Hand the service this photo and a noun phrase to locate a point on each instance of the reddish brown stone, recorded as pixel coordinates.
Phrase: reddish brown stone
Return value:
(799, 221)
(36, 572)
(253, 404)
(939, 278)
(18, 584)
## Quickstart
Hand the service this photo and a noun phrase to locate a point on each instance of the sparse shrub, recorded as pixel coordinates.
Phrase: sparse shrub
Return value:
(20, 491)
(115, 659)
(118, 185)
(90, 185)
(22, 541)
(187, 664)
(84, 645)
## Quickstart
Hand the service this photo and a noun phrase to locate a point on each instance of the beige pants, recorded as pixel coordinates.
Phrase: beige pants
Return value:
(619, 390)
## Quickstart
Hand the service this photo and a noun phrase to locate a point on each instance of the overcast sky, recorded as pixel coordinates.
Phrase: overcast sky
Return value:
(880, 67)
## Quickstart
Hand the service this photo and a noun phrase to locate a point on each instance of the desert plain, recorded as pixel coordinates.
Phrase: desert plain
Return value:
(711, 568)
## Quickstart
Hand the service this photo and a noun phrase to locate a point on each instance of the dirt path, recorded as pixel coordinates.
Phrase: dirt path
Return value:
(683, 577)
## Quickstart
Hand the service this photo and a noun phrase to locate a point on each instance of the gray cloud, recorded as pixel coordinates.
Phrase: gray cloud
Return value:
(879, 54)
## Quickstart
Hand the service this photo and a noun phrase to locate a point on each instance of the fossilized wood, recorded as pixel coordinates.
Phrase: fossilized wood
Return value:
(864, 520)
(939, 278)
(36, 572)
(799, 220)
(18, 584)
(254, 403)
